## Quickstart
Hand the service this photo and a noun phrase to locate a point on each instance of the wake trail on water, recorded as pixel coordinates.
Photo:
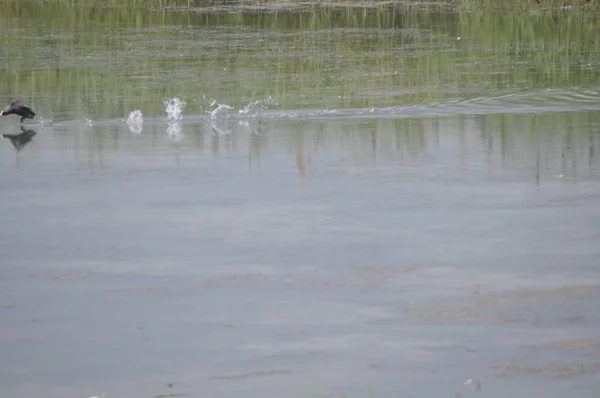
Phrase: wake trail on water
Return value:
(217, 116)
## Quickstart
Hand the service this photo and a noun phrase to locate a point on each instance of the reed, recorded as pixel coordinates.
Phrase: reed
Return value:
(279, 5)
(96, 59)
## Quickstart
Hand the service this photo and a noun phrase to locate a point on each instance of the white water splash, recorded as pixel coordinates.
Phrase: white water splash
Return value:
(256, 111)
(44, 122)
(256, 108)
(135, 122)
(218, 119)
(220, 111)
(218, 115)
(174, 107)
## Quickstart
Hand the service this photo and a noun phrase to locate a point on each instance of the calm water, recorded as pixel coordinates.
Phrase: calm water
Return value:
(307, 203)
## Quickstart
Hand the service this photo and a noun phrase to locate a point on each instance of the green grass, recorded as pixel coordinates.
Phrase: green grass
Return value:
(102, 58)
(278, 5)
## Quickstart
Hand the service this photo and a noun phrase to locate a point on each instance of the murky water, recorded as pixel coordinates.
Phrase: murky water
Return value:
(336, 202)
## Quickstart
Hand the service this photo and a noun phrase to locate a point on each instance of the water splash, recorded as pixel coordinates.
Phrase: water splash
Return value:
(254, 126)
(135, 122)
(217, 116)
(174, 107)
(44, 122)
(257, 108)
(257, 112)
(218, 119)
(220, 111)
(174, 131)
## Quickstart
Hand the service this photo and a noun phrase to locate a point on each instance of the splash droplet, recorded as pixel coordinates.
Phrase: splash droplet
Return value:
(174, 107)
(135, 122)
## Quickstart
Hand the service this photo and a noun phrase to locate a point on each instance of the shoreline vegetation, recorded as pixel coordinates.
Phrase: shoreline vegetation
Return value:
(300, 5)
(397, 57)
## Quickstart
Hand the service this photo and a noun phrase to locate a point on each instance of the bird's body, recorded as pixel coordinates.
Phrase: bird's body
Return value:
(18, 108)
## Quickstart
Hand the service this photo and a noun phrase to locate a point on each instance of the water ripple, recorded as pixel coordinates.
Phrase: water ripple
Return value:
(546, 101)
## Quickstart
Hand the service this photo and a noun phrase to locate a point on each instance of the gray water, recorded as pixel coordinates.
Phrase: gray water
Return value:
(270, 250)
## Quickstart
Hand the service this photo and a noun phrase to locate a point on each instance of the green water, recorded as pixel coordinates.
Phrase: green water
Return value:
(104, 62)
(298, 200)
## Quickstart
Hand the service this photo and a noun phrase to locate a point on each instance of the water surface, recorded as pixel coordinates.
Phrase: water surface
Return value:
(324, 202)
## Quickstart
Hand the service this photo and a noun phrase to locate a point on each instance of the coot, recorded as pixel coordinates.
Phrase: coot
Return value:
(18, 108)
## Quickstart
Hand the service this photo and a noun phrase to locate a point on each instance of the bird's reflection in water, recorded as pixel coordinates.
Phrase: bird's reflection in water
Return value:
(20, 140)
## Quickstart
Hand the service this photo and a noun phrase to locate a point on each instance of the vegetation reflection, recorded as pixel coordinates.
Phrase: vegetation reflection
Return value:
(105, 62)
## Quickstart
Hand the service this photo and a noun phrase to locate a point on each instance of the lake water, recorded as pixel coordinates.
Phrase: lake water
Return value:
(320, 202)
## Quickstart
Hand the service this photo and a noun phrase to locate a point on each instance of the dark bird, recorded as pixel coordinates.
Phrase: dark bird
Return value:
(20, 140)
(18, 108)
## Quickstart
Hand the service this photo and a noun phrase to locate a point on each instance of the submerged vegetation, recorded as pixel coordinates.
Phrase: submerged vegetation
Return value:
(95, 57)
(278, 5)
(105, 62)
